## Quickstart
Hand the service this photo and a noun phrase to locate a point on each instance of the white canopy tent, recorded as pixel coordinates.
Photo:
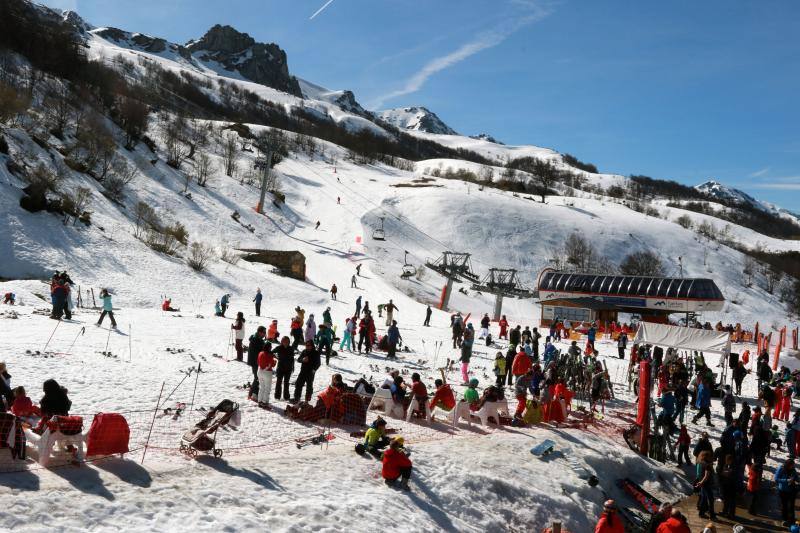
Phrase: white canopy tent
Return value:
(701, 340)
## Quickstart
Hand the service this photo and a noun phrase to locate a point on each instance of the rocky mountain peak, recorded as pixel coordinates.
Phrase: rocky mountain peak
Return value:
(225, 39)
(416, 118)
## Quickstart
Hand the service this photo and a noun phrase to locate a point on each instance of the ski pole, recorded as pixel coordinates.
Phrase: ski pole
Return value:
(228, 345)
(51, 336)
(130, 344)
(81, 332)
(197, 376)
(108, 338)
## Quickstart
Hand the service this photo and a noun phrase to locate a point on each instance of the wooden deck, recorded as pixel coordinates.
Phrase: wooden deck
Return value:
(767, 522)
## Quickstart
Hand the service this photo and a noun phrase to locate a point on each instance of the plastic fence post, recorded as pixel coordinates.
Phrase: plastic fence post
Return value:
(152, 423)
(51, 336)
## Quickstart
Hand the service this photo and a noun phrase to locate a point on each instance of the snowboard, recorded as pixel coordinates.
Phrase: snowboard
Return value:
(545, 447)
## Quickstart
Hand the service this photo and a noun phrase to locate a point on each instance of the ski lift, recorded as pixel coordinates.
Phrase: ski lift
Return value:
(409, 270)
(379, 234)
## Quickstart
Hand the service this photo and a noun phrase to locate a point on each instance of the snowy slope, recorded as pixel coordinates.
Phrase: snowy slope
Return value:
(416, 119)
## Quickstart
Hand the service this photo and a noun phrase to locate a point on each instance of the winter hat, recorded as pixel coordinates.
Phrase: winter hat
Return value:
(399, 441)
(473, 382)
(610, 504)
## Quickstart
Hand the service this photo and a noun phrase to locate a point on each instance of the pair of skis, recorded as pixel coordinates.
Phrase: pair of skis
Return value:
(314, 440)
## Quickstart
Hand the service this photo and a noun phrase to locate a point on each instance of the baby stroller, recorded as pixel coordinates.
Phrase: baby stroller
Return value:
(203, 436)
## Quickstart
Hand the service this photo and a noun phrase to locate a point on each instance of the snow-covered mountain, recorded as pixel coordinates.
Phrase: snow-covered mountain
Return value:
(416, 119)
(729, 195)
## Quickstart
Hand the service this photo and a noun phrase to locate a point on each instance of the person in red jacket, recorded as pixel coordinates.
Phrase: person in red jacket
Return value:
(522, 363)
(683, 442)
(396, 464)
(331, 398)
(503, 323)
(272, 332)
(676, 523)
(609, 521)
(443, 398)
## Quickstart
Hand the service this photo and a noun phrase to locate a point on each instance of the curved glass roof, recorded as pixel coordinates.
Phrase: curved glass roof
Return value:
(640, 286)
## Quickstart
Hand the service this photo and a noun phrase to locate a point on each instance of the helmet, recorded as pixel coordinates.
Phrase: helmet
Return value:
(399, 440)
(473, 382)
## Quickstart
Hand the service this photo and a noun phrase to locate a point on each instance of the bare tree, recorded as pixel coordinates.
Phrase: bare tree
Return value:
(145, 218)
(174, 133)
(685, 221)
(771, 277)
(579, 251)
(545, 176)
(57, 107)
(749, 269)
(230, 153)
(642, 263)
(121, 175)
(133, 119)
(203, 168)
(200, 255)
(75, 204)
(12, 103)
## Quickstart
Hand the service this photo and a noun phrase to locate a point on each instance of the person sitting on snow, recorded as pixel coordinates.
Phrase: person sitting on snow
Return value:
(396, 464)
(375, 438)
(419, 392)
(217, 309)
(167, 306)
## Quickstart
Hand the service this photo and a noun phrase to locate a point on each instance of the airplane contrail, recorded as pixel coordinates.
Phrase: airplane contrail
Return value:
(320, 10)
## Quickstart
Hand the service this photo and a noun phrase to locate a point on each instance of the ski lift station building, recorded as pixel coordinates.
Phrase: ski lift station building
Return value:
(596, 297)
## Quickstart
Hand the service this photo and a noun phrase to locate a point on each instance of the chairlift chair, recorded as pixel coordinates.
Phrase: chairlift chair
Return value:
(379, 234)
(409, 270)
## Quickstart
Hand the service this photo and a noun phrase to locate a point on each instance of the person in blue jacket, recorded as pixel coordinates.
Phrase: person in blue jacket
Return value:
(393, 338)
(223, 303)
(107, 308)
(786, 481)
(591, 335)
(703, 402)
(257, 299)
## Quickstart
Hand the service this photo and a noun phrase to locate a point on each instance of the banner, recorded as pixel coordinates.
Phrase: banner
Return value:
(777, 357)
(643, 415)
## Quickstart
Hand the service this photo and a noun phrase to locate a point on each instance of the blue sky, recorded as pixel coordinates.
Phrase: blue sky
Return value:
(683, 90)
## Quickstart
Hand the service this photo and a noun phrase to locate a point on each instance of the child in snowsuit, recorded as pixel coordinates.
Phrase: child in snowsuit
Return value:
(471, 394)
(499, 369)
(396, 464)
(375, 438)
(266, 362)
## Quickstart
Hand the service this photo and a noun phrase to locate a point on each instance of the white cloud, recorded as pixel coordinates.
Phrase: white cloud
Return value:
(759, 173)
(482, 41)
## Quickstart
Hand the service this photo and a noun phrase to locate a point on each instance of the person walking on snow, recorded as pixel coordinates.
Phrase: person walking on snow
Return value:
(326, 317)
(348, 339)
(255, 346)
(390, 308)
(333, 292)
(223, 303)
(324, 340)
(358, 269)
(622, 344)
(108, 309)
(358, 307)
(353, 282)
(485, 321)
(257, 299)
(309, 363)
(466, 352)
(457, 325)
(311, 329)
(428, 314)
(266, 362)
(503, 323)
(284, 354)
(317, 225)
(238, 328)
(393, 337)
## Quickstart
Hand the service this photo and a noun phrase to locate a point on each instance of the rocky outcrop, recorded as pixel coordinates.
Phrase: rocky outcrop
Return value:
(263, 63)
(417, 119)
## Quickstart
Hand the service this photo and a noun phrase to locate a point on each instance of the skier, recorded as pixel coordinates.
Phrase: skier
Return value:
(390, 308)
(358, 269)
(353, 282)
(238, 327)
(366, 333)
(326, 317)
(358, 307)
(108, 309)
(266, 362)
(9, 298)
(285, 356)
(309, 363)
(622, 344)
(466, 352)
(223, 303)
(311, 329)
(393, 337)
(324, 340)
(333, 292)
(428, 314)
(348, 339)
(503, 323)
(255, 346)
(515, 337)
(257, 299)
(396, 465)
(317, 225)
(338, 200)
(485, 321)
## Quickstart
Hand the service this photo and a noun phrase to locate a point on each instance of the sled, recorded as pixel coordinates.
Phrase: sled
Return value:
(546, 447)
